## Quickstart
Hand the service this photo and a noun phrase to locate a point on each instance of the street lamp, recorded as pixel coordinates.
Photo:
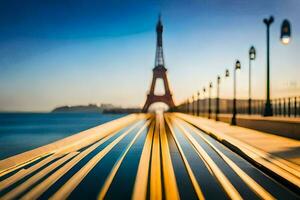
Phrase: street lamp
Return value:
(285, 34)
(198, 103)
(209, 100)
(285, 37)
(237, 66)
(226, 76)
(204, 101)
(268, 107)
(227, 73)
(252, 56)
(187, 106)
(217, 99)
(192, 102)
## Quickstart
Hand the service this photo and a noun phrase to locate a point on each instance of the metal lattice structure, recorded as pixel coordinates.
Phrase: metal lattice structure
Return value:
(159, 71)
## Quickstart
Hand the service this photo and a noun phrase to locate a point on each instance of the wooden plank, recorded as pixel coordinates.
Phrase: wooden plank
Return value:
(155, 173)
(28, 183)
(74, 181)
(141, 180)
(24, 172)
(259, 190)
(115, 168)
(170, 185)
(42, 187)
(222, 179)
(190, 172)
(68, 144)
(273, 163)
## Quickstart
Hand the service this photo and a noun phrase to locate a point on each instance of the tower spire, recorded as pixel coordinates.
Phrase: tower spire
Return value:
(159, 57)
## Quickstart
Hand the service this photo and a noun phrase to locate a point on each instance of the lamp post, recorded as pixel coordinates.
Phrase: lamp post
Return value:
(192, 103)
(209, 100)
(187, 106)
(217, 99)
(252, 56)
(285, 37)
(194, 106)
(226, 76)
(237, 66)
(198, 103)
(268, 106)
(204, 101)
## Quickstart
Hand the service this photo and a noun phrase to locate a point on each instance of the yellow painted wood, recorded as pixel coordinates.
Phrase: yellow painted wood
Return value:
(42, 187)
(68, 144)
(194, 181)
(115, 168)
(155, 173)
(275, 164)
(141, 180)
(25, 185)
(24, 172)
(259, 190)
(285, 142)
(170, 185)
(74, 181)
(19, 165)
(223, 180)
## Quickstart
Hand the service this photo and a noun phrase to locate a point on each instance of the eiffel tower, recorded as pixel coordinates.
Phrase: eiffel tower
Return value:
(159, 71)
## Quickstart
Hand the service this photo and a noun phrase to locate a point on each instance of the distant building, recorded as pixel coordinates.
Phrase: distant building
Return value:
(105, 106)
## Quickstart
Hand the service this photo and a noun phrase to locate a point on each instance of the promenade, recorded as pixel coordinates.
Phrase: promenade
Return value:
(278, 125)
(286, 148)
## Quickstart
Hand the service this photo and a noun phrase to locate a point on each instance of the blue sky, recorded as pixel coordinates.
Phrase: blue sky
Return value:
(57, 52)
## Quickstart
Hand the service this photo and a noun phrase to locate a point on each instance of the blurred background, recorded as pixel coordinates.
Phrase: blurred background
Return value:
(55, 53)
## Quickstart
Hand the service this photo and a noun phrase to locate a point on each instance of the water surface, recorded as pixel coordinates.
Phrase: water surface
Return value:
(21, 132)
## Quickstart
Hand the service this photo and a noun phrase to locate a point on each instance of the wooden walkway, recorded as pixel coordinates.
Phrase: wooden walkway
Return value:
(143, 156)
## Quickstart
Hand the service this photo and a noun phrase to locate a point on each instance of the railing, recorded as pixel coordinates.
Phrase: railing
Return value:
(285, 107)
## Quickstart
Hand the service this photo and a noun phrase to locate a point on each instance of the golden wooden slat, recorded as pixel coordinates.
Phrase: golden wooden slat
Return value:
(170, 185)
(284, 168)
(25, 185)
(24, 172)
(23, 164)
(115, 168)
(276, 165)
(69, 144)
(259, 190)
(223, 180)
(194, 181)
(141, 180)
(155, 173)
(74, 181)
(42, 187)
